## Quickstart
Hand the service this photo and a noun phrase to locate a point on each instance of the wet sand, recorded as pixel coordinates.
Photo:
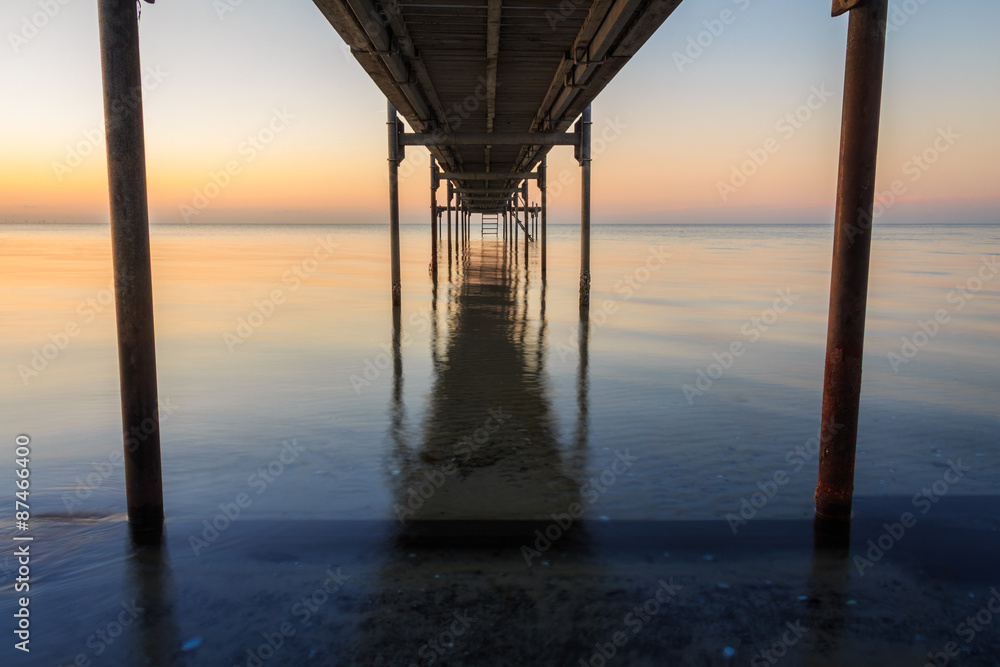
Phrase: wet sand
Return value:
(462, 593)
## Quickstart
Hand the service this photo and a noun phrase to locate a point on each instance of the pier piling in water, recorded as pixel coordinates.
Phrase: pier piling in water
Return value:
(394, 159)
(541, 187)
(435, 182)
(119, 36)
(450, 195)
(584, 152)
(851, 253)
(527, 227)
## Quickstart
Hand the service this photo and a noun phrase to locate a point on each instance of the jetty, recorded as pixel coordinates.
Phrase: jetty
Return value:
(489, 87)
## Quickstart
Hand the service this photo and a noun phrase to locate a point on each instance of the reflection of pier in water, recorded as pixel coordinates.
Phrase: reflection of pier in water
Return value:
(488, 447)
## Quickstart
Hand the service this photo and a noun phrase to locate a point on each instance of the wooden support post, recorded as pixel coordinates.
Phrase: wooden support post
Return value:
(120, 66)
(542, 184)
(394, 159)
(585, 207)
(435, 181)
(851, 252)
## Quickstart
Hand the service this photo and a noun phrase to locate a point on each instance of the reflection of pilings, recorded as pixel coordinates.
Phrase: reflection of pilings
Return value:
(585, 207)
(434, 321)
(150, 577)
(393, 125)
(828, 586)
(450, 193)
(397, 375)
(582, 390)
(132, 271)
(540, 351)
(488, 364)
(851, 252)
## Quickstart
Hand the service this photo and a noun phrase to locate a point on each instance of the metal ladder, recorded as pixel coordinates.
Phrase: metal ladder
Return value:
(490, 224)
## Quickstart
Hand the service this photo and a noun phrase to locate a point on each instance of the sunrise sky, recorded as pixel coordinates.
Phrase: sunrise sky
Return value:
(678, 127)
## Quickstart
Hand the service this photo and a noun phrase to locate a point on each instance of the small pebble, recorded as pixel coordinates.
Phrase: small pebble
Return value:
(803, 597)
(191, 644)
(729, 651)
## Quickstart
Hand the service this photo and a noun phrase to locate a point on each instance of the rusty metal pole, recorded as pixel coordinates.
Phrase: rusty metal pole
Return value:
(527, 235)
(513, 222)
(435, 182)
(120, 66)
(394, 159)
(542, 187)
(585, 123)
(450, 193)
(851, 251)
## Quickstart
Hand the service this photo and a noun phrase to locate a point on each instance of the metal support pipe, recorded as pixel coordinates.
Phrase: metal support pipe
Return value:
(585, 123)
(513, 223)
(450, 194)
(542, 185)
(120, 68)
(434, 216)
(393, 126)
(851, 252)
(527, 235)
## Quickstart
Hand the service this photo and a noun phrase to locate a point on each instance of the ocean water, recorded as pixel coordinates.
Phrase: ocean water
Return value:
(289, 388)
(240, 373)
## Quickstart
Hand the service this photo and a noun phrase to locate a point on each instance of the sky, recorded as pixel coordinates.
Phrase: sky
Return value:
(729, 113)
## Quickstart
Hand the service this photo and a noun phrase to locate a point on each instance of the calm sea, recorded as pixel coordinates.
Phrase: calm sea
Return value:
(307, 431)
(281, 338)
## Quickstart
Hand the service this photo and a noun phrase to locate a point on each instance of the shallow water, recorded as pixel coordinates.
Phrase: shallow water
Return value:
(319, 369)
(284, 376)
